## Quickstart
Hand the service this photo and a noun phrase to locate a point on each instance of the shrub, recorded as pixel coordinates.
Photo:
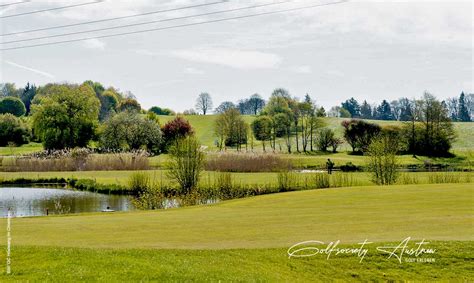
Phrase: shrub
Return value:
(350, 167)
(13, 130)
(139, 182)
(186, 163)
(128, 130)
(12, 105)
(176, 129)
(383, 161)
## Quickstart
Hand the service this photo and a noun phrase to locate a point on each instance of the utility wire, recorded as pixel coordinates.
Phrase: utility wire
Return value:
(175, 27)
(148, 22)
(14, 3)
(113, 19)
(52, 9)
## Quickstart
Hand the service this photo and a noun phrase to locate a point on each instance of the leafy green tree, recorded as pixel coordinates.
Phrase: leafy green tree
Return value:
(12, 105)
(13, 130)
(321, 112)
(129, 130)
(359, 134)
(108, 104)
(65, 116)
(256, 103)
(129, 104)
(262, 129)
(231, 129)
(161, 111)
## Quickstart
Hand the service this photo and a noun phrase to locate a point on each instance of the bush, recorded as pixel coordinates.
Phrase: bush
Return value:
(12, 105)
(138, 183)
(174, 130)
(13, 130)
(128, 130)
(350, 167)
(383, 161)
(186, 163)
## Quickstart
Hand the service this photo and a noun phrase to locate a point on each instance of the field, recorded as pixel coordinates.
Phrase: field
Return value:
(252, 235)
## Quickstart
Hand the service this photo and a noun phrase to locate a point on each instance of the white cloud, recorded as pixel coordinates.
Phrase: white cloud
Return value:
(302, 69)
(335, 73)
(94, 44)
(45, 74)
(193, 71)
(234, 58)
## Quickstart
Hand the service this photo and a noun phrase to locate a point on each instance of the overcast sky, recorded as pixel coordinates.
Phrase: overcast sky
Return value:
(366, 49)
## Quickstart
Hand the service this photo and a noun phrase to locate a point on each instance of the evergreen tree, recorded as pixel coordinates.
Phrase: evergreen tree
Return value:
(366, 110)
(384, 111)
(463, 112)
(352, 106)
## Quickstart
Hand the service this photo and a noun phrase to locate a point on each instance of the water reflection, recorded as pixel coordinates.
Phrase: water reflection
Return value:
(38, 202)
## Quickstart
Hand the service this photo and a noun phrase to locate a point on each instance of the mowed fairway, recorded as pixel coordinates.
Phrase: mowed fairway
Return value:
(434, 212)
(247, 239)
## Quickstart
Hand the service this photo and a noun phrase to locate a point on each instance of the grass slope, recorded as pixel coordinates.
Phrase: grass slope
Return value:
(434, 212)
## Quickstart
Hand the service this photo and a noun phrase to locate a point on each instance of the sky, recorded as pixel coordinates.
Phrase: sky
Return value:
(369, 50)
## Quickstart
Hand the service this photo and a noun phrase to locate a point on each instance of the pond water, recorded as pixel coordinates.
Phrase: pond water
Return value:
(40, 201)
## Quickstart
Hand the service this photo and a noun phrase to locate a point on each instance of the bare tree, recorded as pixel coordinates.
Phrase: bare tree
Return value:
(204, 103)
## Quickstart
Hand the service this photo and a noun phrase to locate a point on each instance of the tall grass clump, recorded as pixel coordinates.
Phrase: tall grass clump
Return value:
(139, 182)
(448, 177)
(81, 159)
(247, 162)
(287, 181)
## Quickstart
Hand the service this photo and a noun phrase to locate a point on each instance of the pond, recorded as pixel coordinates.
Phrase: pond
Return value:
(42, 201)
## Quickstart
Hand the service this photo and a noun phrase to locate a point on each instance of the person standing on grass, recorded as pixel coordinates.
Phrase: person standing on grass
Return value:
(330, 166)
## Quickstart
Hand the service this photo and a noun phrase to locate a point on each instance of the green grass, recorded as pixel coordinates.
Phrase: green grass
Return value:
(266, 178)
(247, 240)
(24, 149)
(377, 213)
(242, 265)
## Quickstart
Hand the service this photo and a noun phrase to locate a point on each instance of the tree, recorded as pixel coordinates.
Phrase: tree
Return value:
(109, 103)
(161, 111)
(352, 106)
(384, 111)
(321, 112)
(186, 163)
(128, 130)
(13, 130)
(224, 106)
(463, 112)
(431, 131)
(65, 116)
(129, 104)
(359, 134)
(262, 129)
(383, 161)
(256, 103)
(9, 89)
(231, 129)
(27, 96)
(174, 130)
(366, 110)
(204, 103)
(12, 105)
(405, 109)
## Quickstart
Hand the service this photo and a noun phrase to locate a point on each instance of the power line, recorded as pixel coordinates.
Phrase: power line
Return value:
(52, 9)
(113, 19)
(175, 27)
(148, 22)
(14, 3)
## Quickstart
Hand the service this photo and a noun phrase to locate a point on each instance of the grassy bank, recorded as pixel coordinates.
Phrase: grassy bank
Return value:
(247, 240)
(278, 220)
(246, 265)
